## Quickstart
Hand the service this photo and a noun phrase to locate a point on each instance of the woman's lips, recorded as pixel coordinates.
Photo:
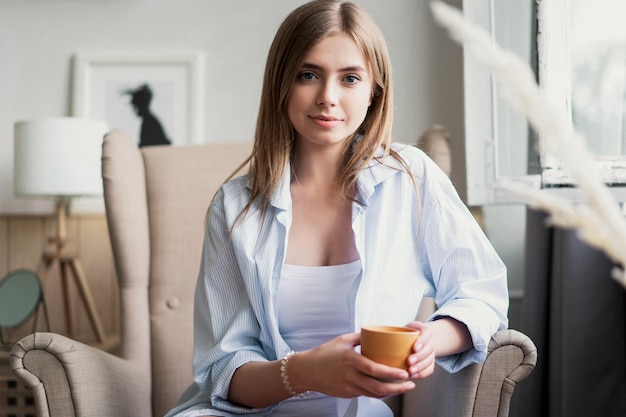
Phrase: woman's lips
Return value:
(325, 121)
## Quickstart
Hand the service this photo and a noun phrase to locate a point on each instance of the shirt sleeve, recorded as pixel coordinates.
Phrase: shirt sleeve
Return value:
(469, 278)
(226, 332)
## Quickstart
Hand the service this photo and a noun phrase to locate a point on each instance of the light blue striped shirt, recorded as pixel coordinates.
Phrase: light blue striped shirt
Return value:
(411, 246)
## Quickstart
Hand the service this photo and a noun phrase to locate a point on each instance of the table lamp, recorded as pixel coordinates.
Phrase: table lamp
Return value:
(61, 158)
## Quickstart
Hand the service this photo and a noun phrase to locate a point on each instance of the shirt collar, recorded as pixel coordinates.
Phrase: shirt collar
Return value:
(377, 170)
(282, 196)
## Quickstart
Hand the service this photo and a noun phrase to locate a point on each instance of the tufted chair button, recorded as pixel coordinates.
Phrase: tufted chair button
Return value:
(172, 302)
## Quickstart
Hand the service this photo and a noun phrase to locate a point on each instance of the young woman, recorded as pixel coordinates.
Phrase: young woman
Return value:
(334, 228)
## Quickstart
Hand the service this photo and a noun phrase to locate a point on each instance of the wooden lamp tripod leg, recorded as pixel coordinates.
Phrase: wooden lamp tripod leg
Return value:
(81, 282)
(67, 296)
(70, 264)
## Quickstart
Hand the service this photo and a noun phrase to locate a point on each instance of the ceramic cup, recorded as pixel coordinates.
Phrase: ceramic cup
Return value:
(389, 345)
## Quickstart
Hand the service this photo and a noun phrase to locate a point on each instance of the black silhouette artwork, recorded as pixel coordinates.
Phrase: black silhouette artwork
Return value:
(152, 132)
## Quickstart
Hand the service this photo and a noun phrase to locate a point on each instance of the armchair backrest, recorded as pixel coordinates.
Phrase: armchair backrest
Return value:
(156, 200)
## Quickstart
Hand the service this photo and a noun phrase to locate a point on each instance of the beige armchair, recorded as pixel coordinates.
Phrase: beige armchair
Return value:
(156, 199)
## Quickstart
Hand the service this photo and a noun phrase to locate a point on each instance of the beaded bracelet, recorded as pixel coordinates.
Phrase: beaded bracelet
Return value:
(285, 378)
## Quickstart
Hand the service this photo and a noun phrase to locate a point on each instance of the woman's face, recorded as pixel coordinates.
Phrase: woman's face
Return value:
(332, 93)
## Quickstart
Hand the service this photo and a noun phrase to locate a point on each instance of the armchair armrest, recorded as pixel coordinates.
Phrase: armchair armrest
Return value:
(480, 389)
(69, 378)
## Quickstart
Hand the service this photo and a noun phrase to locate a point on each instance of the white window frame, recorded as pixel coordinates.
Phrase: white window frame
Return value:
(480, 122)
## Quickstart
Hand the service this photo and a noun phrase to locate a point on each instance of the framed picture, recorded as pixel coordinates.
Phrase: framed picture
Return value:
(156, 97)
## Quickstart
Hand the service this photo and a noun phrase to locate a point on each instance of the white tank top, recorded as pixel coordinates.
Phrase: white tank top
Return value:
(315, 304)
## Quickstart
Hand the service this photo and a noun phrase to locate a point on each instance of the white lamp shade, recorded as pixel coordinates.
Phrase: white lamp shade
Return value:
(58, 157)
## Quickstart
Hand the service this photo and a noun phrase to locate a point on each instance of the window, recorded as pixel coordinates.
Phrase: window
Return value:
(584, 74)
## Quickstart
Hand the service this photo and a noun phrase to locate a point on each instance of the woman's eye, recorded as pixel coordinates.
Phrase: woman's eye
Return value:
(306, 76)
(352, 79)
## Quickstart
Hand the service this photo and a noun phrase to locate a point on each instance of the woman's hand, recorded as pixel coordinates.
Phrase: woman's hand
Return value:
(442, 337)
(422, 361)
(335, 369)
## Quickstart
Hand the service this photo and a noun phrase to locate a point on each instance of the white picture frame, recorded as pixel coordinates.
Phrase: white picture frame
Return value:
(103, 82)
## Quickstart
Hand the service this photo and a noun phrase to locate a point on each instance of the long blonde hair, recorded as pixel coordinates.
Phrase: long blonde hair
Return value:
(298, 34)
